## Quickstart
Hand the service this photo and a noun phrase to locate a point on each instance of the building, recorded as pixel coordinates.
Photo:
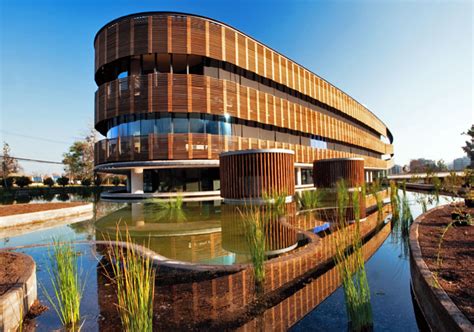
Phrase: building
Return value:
(176, 90)
(396, 169)
(459, 164)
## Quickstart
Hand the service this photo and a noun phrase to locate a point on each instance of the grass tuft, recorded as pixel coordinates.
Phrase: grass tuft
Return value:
(65, 279)
(351, 268)
(310, 199)
(134, 277)
(254, 224)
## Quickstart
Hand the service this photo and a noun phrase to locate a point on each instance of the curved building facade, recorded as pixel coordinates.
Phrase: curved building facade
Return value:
(176, 90)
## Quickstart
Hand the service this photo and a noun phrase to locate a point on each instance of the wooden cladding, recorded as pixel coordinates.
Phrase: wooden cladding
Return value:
(205, 146)
(256, 173)
(183, 34)
(327, 172)
(202, 94)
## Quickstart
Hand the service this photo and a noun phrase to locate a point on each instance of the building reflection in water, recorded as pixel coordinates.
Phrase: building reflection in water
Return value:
(222, 302)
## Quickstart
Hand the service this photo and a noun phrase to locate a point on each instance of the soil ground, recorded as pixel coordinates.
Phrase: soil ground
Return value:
(12, 267)
(8, 210)
(455, 270)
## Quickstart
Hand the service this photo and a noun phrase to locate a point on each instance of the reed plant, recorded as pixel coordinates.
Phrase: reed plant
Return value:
(275, 201)
(342, 201)
(310, 199)
(134, 277)
(254, 224)
(66, 283)
(394, 200)
(436, 186)
(351, 268)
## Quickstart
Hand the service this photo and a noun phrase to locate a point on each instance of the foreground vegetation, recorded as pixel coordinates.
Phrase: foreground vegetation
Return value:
(66, 283)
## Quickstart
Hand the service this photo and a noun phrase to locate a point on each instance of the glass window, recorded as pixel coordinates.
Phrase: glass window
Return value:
(148, 63)
(147, 127)
(134, 128)
(212, 126)
(180, 124)
(163, 124)
(224, 127)
(196, 124)
(163, 63)
(123, 130)
(179, 63)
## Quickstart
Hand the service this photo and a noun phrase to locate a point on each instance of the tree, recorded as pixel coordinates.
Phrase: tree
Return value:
(48, 182)
(63, 181)
(469, 148)
(86, 182)
(9, 164)
(23, 181)
(441, 166)
(79, 160)
(115, 180)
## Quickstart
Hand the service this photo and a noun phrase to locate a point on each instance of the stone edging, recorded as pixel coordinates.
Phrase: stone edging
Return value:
(41, 216)
(16, 302)
(438, 309)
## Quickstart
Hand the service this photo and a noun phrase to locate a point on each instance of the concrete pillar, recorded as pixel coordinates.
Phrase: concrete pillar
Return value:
(138, 217)
(298, 176)
(136, 181)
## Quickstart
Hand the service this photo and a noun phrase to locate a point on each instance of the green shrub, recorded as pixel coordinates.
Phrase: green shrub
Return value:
(310, 199)
(48, 182)
(23, 181)
(115, 180)
(86, 182)
(63, 181)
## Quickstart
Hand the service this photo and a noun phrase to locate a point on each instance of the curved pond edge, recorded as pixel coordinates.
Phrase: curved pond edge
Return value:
(15, 220)
(16, 302)
(439, 310)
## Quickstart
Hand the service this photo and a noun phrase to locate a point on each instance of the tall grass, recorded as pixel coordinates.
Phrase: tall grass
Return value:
(310, 199)
(65, 279)
(394, 200)
(342, 200)
(437, 187)
(134, 277)
(254, 224)
(275, 201)
(351, 269)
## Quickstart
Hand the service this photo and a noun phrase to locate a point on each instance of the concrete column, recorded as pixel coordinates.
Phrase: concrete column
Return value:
(298, 176)
(136, 181)
(138, 217)
(371, 176)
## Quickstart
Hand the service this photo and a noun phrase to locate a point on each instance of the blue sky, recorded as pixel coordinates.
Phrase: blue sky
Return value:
(409, 62)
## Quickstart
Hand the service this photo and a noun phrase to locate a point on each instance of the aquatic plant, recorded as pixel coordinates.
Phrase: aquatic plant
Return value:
(169, 210)
(394, 200)
(134, 277)
(65, 279)
(436, 186)
(275, 201)
(254, 225)
(342, 202)
(375, 191)
(175, 204)
(351, 268)
(310, 199)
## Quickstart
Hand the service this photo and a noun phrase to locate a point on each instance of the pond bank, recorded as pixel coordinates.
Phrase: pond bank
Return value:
(443, 286)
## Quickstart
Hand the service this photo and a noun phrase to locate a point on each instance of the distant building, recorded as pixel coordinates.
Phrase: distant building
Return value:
(420, 165)
(396, 169)
(461, 163)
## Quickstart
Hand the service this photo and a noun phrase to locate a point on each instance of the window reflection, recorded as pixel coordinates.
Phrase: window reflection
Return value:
(196, 123)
